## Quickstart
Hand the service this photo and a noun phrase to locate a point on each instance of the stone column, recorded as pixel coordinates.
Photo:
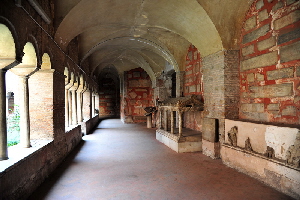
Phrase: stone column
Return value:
(70, 107)
(180, 123)
(74, 106)
(3, 125)
(24, 112)
(165, 120)
(66, 107)
(149, 120)
(79, 103)
(172, 122)
(93, 104)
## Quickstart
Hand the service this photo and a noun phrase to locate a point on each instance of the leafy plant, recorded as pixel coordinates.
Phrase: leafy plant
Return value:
(13, 127)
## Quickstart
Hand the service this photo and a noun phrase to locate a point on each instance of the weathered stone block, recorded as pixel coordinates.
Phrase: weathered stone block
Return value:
(270, 91)
(265, 44)
(250, 77)
(209, 129)
(280, 73)
(260, 77)
(273, 107)
(250, 23)
(255, 116)
(298, 71)
(290, 1)
(290, 52)
(289, 36)
(277, 6)
(192, 88)
(260, 61)
(256, 33)
(262, 15)
(252, 107)
(259, 4)
(287, 20)
(290, 110)
(248, 50)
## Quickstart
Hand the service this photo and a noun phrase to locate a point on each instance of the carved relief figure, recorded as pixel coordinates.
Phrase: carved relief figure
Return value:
(232, 136)
(248, 146)
(293, 153)
(270, 153)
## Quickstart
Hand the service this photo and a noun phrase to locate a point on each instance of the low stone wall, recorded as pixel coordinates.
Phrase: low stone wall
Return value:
(88, 125)
(264, 152)
(20, 179)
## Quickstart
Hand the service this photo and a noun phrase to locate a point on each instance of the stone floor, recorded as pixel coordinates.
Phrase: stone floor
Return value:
(125, 161)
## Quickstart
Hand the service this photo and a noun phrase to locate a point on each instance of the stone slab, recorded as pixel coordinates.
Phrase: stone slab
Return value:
(263, 60)
(280, 73)
(290, 52)
(270, 91)
(261, 31)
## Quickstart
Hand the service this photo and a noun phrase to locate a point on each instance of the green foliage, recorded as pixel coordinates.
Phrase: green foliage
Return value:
(13, 127)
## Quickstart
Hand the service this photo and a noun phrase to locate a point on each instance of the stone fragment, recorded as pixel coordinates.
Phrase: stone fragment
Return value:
(248, 50)
(256, 33)
(267, 43)
(280, 73)
(250, 23)
(270, 91)
(259, 4)
(289, 36)
(290, 110)
(250, 77)
(293, 153)
(270, 153)
(263, 60)
(132, 95)
(248, 146)
(262, 15)
(287, 20)
(136, 74)
(290, 52)
(232, 136)
(192, 88)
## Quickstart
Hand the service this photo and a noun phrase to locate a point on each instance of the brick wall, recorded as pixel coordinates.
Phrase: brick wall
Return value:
(138, 95)
(192, 84)
(108, 100)
(270, 62)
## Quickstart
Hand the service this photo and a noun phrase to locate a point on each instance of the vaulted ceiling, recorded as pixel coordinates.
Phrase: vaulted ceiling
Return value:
(151, 34)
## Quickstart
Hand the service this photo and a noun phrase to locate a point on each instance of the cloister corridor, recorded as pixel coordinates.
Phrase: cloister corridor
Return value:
(125, 161)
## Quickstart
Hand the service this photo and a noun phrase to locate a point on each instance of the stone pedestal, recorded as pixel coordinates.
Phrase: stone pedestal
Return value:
(149, 121)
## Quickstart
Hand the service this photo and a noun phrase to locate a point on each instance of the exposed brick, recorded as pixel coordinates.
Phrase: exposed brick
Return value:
(250, 23)
(289, 36)
(256, 33)
(248, 50)
(259, 4)
(250, 77)
(252, 107)
(280, 73)
(270, 91)
(290, 52)
(290, 110)
(265, 44)
(262, 15)
(286, 20)
(298, 71)
(259, 61)
(209, 129)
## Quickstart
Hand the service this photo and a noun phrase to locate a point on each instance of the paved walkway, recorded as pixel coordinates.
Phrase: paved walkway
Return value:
(123, 162)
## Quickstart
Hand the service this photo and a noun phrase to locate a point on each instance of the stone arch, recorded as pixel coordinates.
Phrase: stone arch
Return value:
(46, 62)
(7, 46)
(9, 26)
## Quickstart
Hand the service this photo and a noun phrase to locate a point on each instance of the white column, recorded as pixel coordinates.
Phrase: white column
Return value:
(180, 123)
(79, 103)
(24, 112)
(74, 111)
(172, 122)
(3, 125)
(67, 107)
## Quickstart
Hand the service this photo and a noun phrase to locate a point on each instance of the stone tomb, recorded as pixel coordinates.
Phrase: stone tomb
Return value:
(170, 128)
